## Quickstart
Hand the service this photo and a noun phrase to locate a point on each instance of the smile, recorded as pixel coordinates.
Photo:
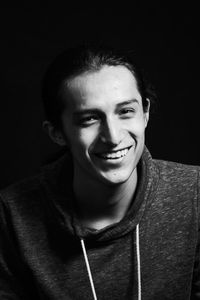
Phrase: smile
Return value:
(115, 154)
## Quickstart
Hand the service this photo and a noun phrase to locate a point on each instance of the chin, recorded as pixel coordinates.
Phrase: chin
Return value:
(116, 177)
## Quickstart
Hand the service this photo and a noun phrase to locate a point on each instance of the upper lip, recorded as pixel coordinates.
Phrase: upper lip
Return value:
(113, 151)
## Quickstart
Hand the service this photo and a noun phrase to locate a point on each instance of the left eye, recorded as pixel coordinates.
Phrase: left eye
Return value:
(126, 111)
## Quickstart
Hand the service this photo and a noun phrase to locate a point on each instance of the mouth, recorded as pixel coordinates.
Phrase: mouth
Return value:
(114, 155)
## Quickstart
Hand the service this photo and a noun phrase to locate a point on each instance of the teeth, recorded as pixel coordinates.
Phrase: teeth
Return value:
(115, 155)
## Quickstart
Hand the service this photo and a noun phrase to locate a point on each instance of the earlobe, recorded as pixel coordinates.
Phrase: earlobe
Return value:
(55, 135)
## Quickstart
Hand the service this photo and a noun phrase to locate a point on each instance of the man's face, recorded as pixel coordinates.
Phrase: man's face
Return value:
(104, 123)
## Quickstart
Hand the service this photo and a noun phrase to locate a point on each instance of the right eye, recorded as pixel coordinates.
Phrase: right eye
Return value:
(88, 120)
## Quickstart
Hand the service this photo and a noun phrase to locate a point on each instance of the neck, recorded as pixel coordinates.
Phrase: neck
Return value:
(100, 205)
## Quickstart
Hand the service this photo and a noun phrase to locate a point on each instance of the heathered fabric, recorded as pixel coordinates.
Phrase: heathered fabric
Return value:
(40, 251)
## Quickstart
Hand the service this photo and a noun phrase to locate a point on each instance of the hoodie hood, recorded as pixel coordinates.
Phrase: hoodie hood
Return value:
(57, 181)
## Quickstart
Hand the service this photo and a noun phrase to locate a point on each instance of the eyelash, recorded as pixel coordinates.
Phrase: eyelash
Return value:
(88, 120)
(126, 111)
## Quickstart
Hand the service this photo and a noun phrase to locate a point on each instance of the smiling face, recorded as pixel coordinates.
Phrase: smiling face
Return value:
(104, 124)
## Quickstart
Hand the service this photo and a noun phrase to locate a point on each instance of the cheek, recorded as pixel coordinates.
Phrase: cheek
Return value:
(83, 139)
(138, 127)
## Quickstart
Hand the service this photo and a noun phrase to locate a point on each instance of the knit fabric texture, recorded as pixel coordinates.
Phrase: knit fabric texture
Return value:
(40, 250)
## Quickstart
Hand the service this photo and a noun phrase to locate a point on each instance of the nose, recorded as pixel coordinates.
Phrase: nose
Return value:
(111, 132)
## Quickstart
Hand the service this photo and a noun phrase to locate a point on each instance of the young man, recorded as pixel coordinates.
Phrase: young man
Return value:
(105, 221)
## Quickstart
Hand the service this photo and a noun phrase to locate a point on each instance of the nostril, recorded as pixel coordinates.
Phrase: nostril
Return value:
(109, 140)
(110, 131)
(110, 137)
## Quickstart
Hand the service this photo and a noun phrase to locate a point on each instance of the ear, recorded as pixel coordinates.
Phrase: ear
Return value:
(55, 135)
(146, 113)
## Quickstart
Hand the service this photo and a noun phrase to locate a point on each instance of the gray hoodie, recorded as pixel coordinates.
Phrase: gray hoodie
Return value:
(152, 253)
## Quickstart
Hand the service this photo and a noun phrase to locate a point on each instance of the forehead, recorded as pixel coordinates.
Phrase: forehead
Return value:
(108, 85)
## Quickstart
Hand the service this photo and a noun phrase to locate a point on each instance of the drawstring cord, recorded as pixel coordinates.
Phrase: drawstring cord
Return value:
(138, 260)
(88, 269)
(138, 265)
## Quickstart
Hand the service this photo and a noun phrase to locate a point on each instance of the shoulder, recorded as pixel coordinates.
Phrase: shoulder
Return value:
(180, 183)
(34, 187)
(177, 172)
(21, 188)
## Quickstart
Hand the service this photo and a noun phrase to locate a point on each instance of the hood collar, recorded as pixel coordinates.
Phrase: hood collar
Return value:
(62, 201)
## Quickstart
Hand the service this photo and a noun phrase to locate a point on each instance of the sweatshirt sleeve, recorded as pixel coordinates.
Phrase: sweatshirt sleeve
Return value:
(11, 286)
(196, 274)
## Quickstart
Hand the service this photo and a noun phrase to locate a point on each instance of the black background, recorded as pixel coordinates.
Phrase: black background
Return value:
(165, 38)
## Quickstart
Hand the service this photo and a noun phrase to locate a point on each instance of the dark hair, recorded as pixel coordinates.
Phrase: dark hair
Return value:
(80, 59)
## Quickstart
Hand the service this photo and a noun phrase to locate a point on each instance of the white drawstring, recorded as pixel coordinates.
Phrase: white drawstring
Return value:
(88, 269)
(138, 265)
(138, 261)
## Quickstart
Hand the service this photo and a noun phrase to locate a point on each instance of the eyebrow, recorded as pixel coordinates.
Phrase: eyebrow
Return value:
(128, 102)
(80, 112)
